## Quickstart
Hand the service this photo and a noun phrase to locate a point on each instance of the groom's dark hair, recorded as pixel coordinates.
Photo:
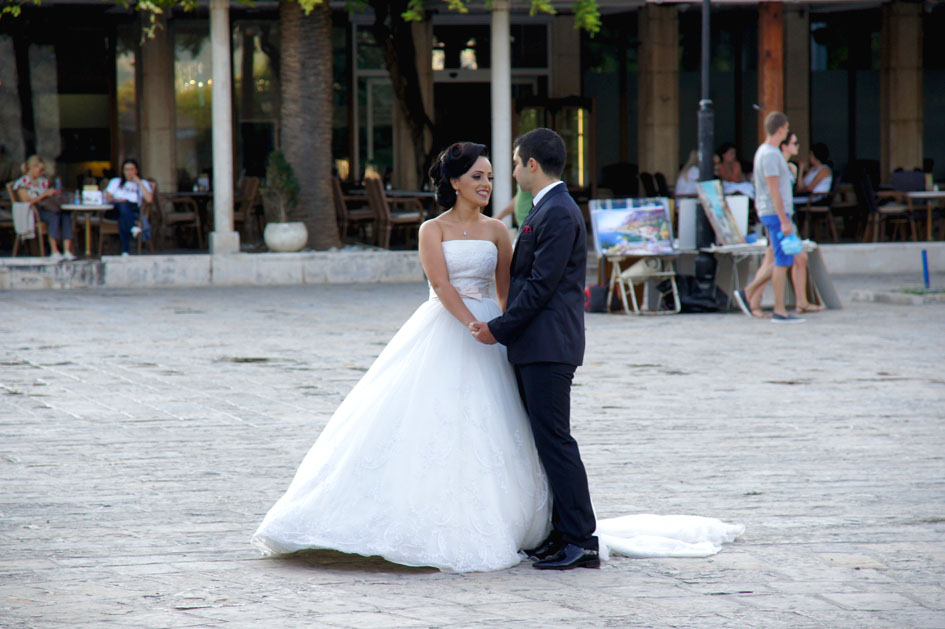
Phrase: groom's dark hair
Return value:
(546, 147)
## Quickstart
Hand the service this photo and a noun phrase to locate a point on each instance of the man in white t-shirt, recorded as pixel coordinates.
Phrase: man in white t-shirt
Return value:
(128, 192)
(774, 202)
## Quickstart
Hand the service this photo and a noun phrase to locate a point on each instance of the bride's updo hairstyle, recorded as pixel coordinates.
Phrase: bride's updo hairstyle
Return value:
(454, 162)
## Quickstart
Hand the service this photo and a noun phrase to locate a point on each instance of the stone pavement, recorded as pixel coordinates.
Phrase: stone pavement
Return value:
(144, 433)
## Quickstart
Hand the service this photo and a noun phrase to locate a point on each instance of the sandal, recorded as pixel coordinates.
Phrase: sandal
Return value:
(809, 308)
(760, 314)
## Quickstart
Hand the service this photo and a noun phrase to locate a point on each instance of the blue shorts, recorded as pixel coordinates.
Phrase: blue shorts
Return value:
(773, 225)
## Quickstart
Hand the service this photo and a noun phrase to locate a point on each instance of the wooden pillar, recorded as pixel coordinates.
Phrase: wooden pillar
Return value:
(565, 58)
(405, 175)
(770, 61)
(900, 88)
(158, 108)
(797, 72)
(658, 149)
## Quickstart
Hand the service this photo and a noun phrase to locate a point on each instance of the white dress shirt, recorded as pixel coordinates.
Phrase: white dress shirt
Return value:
(544, 191)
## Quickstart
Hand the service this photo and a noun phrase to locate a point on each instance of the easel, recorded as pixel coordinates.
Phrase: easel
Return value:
(628, 278)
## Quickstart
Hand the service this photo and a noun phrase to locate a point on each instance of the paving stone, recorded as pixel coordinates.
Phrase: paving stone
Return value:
(145, 432)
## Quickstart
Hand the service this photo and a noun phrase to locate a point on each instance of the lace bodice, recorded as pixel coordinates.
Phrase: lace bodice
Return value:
(471, 265)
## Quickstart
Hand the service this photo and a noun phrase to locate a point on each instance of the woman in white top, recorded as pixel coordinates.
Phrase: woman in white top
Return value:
(128, 192)
(688, 176)
(816, 178)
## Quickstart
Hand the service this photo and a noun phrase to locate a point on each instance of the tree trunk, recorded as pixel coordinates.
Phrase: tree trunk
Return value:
(395, 38)
(305, 134)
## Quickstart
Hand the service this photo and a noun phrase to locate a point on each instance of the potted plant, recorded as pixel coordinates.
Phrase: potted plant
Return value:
(280, 195)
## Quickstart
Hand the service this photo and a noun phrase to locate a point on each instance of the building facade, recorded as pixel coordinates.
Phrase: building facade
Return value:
(80, 86)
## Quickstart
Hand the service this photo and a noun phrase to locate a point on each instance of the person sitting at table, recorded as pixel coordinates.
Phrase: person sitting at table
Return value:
(128, 192)
(730, 172)
(816, 176)
(688, 177)
(33, 188)
(730, 169)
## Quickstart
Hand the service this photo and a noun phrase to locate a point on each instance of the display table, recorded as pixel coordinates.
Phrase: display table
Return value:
(819, 278)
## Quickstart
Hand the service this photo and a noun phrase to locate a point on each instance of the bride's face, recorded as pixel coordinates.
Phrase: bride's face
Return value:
(475, 186)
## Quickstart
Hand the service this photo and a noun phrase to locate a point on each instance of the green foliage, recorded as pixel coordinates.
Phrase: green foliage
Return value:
(281, 184)
(587, 16)
(586, 12)
(13, 7)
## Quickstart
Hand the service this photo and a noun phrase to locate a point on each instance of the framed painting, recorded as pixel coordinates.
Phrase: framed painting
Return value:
(631, 227)
(719, 215)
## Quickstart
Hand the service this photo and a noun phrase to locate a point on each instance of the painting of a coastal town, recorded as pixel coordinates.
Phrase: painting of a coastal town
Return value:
(631, 227)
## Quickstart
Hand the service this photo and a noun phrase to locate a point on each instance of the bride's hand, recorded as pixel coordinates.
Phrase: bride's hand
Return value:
(480, 330)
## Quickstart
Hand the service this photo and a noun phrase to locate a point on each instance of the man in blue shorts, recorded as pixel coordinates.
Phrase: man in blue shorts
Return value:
(774, 202)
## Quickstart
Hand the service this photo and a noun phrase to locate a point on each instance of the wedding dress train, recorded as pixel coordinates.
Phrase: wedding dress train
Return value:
(430, 461)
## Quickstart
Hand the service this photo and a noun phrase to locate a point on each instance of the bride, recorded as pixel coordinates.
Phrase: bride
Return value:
(430, 460)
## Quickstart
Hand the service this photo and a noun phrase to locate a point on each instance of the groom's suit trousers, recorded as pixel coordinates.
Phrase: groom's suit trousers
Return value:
(546, 391)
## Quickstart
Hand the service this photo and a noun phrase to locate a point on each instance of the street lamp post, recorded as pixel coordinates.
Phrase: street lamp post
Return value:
(706, 114)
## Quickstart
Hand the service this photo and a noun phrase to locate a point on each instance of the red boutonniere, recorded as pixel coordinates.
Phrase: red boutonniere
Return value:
(526, 229)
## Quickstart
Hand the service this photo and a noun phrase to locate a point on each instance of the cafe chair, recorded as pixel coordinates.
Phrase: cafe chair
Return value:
(914, 181)
(179, 211)
(408, 220)
(359, 217)
(662, 186)
(649, 184)
(244, 208)
(109, 226)
(878, 216)
(21, 228)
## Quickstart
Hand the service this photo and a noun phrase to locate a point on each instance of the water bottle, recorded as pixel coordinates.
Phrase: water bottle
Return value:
(77, 197)
(791, 245)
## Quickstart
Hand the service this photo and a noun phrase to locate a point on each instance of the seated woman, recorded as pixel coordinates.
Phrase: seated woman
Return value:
(729, 167)
(730, 172)
(816, 176)
(688, 176)
(33, 188)
(127, 192)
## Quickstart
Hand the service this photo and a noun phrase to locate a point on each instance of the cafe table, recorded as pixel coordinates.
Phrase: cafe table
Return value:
(931, 196)
(87, 209)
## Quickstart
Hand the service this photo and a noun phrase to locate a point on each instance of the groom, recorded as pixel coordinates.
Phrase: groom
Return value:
(543, 329)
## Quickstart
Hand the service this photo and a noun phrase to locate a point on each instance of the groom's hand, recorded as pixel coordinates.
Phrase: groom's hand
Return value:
(480, 330)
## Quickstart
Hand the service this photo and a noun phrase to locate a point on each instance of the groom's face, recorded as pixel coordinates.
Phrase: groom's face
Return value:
(520, 171)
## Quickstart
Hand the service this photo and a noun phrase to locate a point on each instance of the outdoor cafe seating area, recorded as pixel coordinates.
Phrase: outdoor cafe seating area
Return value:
(912, 208)
(180, 222)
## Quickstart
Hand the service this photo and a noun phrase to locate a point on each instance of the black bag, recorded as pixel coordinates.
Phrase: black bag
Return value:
(694, 298)
(595, 298)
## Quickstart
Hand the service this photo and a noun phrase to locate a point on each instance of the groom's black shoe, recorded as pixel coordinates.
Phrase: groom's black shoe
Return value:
(546, 549)
(569, 557)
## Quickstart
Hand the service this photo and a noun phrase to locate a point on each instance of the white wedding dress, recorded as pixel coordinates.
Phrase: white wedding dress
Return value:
(430, 459)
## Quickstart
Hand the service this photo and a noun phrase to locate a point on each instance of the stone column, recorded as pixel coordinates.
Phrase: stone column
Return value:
(222, 239)
(405, 175)
(565, 58)
(797, 72)
(900, 88)
(659, 90)
(157, 108)
(501, 151)
(770, 61)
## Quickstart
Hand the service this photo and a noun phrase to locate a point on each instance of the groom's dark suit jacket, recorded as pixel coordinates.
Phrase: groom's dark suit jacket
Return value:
(544, 316)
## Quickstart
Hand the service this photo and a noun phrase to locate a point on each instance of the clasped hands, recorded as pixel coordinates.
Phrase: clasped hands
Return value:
(481, 332)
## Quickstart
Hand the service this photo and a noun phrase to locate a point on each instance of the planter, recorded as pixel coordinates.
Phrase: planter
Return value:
(285, 237)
